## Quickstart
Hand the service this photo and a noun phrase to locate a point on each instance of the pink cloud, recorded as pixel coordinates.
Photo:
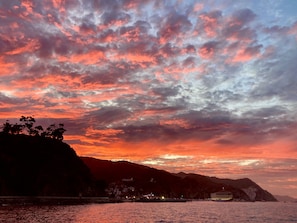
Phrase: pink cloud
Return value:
(173, 26)
(58, 3)
(198, 7)
(210, 22)
(208, 50)
(293, 30)
(247, 54)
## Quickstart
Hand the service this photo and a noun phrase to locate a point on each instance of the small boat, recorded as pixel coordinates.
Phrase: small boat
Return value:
(221, 196)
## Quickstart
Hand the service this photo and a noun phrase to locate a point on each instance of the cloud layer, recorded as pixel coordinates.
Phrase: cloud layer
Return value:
(198, 86)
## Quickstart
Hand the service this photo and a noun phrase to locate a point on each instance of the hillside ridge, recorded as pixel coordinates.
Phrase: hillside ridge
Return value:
(43, 166)
(122, 175)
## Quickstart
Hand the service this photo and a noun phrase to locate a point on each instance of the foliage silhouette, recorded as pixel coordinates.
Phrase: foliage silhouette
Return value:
(27, 128)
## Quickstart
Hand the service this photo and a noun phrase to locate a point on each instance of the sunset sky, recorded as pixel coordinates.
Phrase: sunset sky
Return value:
(207, 87)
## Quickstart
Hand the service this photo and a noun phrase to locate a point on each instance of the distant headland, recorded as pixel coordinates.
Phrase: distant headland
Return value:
(37, 166)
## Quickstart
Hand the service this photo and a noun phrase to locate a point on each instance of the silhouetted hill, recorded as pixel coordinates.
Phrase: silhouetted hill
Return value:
(254, 191)
(125, 178)
(33, 165)
(41, 166)
(143, 178)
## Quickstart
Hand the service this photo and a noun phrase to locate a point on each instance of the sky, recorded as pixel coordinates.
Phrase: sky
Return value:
(206, 87)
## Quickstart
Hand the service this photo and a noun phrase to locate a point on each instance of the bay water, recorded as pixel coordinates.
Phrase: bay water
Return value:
(195, 211)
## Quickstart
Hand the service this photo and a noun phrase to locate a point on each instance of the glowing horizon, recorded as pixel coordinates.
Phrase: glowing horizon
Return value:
(207, 87)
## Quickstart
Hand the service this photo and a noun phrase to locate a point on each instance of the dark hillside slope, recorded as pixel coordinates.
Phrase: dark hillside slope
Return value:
(254, 191)
(123, 175)
(32, 165)
(207, 185)
(143, 178)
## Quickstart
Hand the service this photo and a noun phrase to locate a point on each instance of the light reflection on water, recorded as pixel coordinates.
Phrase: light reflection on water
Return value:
(153, 212)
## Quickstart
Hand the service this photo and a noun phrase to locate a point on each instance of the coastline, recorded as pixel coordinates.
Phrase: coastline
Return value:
(52, 200)
(59, 200)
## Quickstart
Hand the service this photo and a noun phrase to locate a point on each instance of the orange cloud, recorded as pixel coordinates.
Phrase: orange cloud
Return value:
(28, 5)
(7, 68)
(87, 58)
(139, 58)
(31, 46)
(176, 122)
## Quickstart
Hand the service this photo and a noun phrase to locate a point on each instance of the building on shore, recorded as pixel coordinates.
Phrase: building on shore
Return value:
(221, 195)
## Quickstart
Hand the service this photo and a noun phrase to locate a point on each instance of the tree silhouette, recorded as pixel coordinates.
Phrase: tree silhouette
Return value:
(58, 133)
(38, 130)
(55, 132)
(28, 124)
(6, 128)
(16, 129)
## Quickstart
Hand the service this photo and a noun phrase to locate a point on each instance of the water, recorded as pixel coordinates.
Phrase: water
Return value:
(272, 212)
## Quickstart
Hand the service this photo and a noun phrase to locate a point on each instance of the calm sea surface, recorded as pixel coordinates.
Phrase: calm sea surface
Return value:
(195, 211)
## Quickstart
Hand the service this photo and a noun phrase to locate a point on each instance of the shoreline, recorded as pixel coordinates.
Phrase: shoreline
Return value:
(52, 200)
(60, 200)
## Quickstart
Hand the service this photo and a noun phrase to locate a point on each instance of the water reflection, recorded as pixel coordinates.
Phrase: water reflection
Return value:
(153, 212)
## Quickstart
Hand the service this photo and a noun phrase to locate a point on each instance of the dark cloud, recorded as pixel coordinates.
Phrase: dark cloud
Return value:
(189, 62)
(173, 25)
(237, 28)
(201, 126)
(244, 16)
(105, 5)
(87, 25)
(107, 115)
(208, 50)
(156, 133)
(138, 31)
(110, 75)
(271, 112)
(253, 50)
(190, 48)
(169, 50)
(276, 29)
(278, 78)
(208, 116)
(9, 4)
(4, 45)
(46, 47)
(238, 32)
(111, 18)
(5, 100)
(166, 92)
(209, 22)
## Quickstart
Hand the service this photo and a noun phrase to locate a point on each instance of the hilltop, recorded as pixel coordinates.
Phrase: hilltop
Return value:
(40, 166)
(126, 179)
(43, 166)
